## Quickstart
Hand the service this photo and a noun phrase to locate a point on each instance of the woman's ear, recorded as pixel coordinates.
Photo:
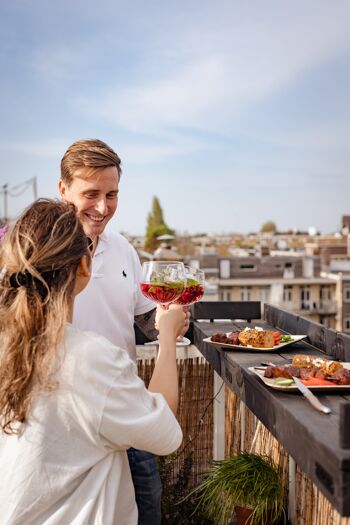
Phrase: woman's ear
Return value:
(83, 274)
(84, 266)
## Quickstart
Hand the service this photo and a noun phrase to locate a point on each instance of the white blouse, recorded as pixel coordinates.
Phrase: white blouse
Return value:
(69, 466)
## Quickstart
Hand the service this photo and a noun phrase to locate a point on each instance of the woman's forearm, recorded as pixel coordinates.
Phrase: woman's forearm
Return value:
(164, 379)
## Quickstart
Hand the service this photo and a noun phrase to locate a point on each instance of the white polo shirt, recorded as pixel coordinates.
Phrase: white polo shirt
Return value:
(69, 466)
(112, 298)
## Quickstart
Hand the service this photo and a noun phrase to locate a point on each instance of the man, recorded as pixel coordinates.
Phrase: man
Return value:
(112, 301)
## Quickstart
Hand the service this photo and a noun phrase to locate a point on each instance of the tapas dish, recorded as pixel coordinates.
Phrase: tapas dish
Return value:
(314, 372)
(253, 339)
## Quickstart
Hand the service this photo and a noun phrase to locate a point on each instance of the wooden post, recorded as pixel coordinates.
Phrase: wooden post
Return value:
(344, 426)
(242, 414)
(219, 418)
(291, 492)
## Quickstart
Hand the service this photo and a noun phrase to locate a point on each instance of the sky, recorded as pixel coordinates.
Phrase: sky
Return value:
(232, 113)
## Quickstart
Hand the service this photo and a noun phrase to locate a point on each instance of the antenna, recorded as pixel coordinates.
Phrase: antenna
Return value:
(16, 191)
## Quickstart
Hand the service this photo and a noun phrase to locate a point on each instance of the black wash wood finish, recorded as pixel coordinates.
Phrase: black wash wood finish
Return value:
(320, 444)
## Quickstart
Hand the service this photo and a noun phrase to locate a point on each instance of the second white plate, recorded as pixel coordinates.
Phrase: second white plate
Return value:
(295, 339)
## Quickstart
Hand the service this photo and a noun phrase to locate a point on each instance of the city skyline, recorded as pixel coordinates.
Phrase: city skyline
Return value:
(230, 114)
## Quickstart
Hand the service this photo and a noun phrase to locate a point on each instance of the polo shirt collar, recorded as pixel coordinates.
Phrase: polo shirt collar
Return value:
(102, 243)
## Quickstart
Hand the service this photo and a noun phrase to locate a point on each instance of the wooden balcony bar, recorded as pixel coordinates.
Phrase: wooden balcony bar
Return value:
(320, 444)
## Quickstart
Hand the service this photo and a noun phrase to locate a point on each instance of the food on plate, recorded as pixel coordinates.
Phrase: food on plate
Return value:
(233, 338)
(277, 338)
(341, 377)
(257, 338)
(314, 381)
(252, 337)
(286, 371)
(309, 361)
(310, 375)
(283, 381)
(286, 338)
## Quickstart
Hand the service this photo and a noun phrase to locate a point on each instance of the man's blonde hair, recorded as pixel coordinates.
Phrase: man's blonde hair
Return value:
(91, 153)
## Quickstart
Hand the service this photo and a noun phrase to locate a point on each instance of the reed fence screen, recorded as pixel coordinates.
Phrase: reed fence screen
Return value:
(195, 415)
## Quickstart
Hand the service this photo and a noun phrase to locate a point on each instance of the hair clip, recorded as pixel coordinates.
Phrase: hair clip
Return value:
(3, 273)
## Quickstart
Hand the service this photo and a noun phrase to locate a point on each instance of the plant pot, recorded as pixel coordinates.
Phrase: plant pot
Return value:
(244, 517)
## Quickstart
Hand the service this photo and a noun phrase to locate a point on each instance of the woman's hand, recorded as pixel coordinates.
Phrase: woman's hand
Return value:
(173, 320)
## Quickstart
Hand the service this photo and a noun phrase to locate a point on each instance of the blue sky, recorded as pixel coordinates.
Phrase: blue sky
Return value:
(231, 112)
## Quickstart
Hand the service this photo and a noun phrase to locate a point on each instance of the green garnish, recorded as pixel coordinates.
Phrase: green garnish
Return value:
(286, 338)
(283, 381)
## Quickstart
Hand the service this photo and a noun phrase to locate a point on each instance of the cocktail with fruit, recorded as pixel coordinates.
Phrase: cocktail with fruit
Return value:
(163, 282)
(194, 287)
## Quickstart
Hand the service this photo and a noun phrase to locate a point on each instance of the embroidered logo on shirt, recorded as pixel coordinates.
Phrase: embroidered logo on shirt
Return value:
(124, 273)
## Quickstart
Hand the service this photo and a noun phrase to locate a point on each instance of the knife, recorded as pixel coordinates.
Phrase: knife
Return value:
(312, 399)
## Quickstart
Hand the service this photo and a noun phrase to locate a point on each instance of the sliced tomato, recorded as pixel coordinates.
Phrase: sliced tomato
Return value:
(277, 337)
(314, 381)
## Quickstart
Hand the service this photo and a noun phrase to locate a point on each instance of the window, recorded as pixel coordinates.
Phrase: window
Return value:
(305, 298)
(288, 265)
(264, 294)
(225, 295)
(287, 293)
(346, 324)
(225, 269)
(245, 293)
(346, 294)
(248, 267)
(326, 292)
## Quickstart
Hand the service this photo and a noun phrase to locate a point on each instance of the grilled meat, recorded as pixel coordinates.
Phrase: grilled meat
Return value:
(219, 338)
(232, 338)
(282, 371)
(341, 377)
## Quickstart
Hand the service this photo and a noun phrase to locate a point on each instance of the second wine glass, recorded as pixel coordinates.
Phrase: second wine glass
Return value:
(194, 287)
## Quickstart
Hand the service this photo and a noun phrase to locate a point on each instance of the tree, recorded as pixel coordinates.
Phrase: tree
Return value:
(268, 227)
(156, 226)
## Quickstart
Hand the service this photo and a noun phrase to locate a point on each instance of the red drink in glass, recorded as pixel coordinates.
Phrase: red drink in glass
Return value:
(162, 281)
(194, 287)
(163, 293)
(192, 293)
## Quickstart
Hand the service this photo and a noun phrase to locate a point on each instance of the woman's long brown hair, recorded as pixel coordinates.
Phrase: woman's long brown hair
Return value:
(39, 257)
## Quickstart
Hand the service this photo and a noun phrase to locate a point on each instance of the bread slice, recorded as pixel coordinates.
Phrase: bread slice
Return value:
(257, 338)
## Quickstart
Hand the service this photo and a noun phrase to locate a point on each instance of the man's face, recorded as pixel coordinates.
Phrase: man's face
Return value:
(95, 197)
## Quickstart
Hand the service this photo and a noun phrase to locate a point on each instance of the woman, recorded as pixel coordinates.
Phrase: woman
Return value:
(70, 402)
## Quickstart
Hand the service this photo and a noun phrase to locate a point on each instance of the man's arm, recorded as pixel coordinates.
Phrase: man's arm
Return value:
(145, 323)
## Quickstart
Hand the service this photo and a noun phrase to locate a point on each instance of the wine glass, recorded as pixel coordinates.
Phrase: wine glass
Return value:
(194, 287)
(163, 281)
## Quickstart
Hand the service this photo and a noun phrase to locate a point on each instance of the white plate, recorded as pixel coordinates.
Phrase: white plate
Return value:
(249, 348)
(292, 388)
(181, 342)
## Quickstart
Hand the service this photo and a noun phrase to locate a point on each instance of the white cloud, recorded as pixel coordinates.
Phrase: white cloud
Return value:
(231, 67)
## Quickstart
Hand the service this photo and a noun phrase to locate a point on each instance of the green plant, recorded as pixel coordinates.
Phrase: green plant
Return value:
(246, 480)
